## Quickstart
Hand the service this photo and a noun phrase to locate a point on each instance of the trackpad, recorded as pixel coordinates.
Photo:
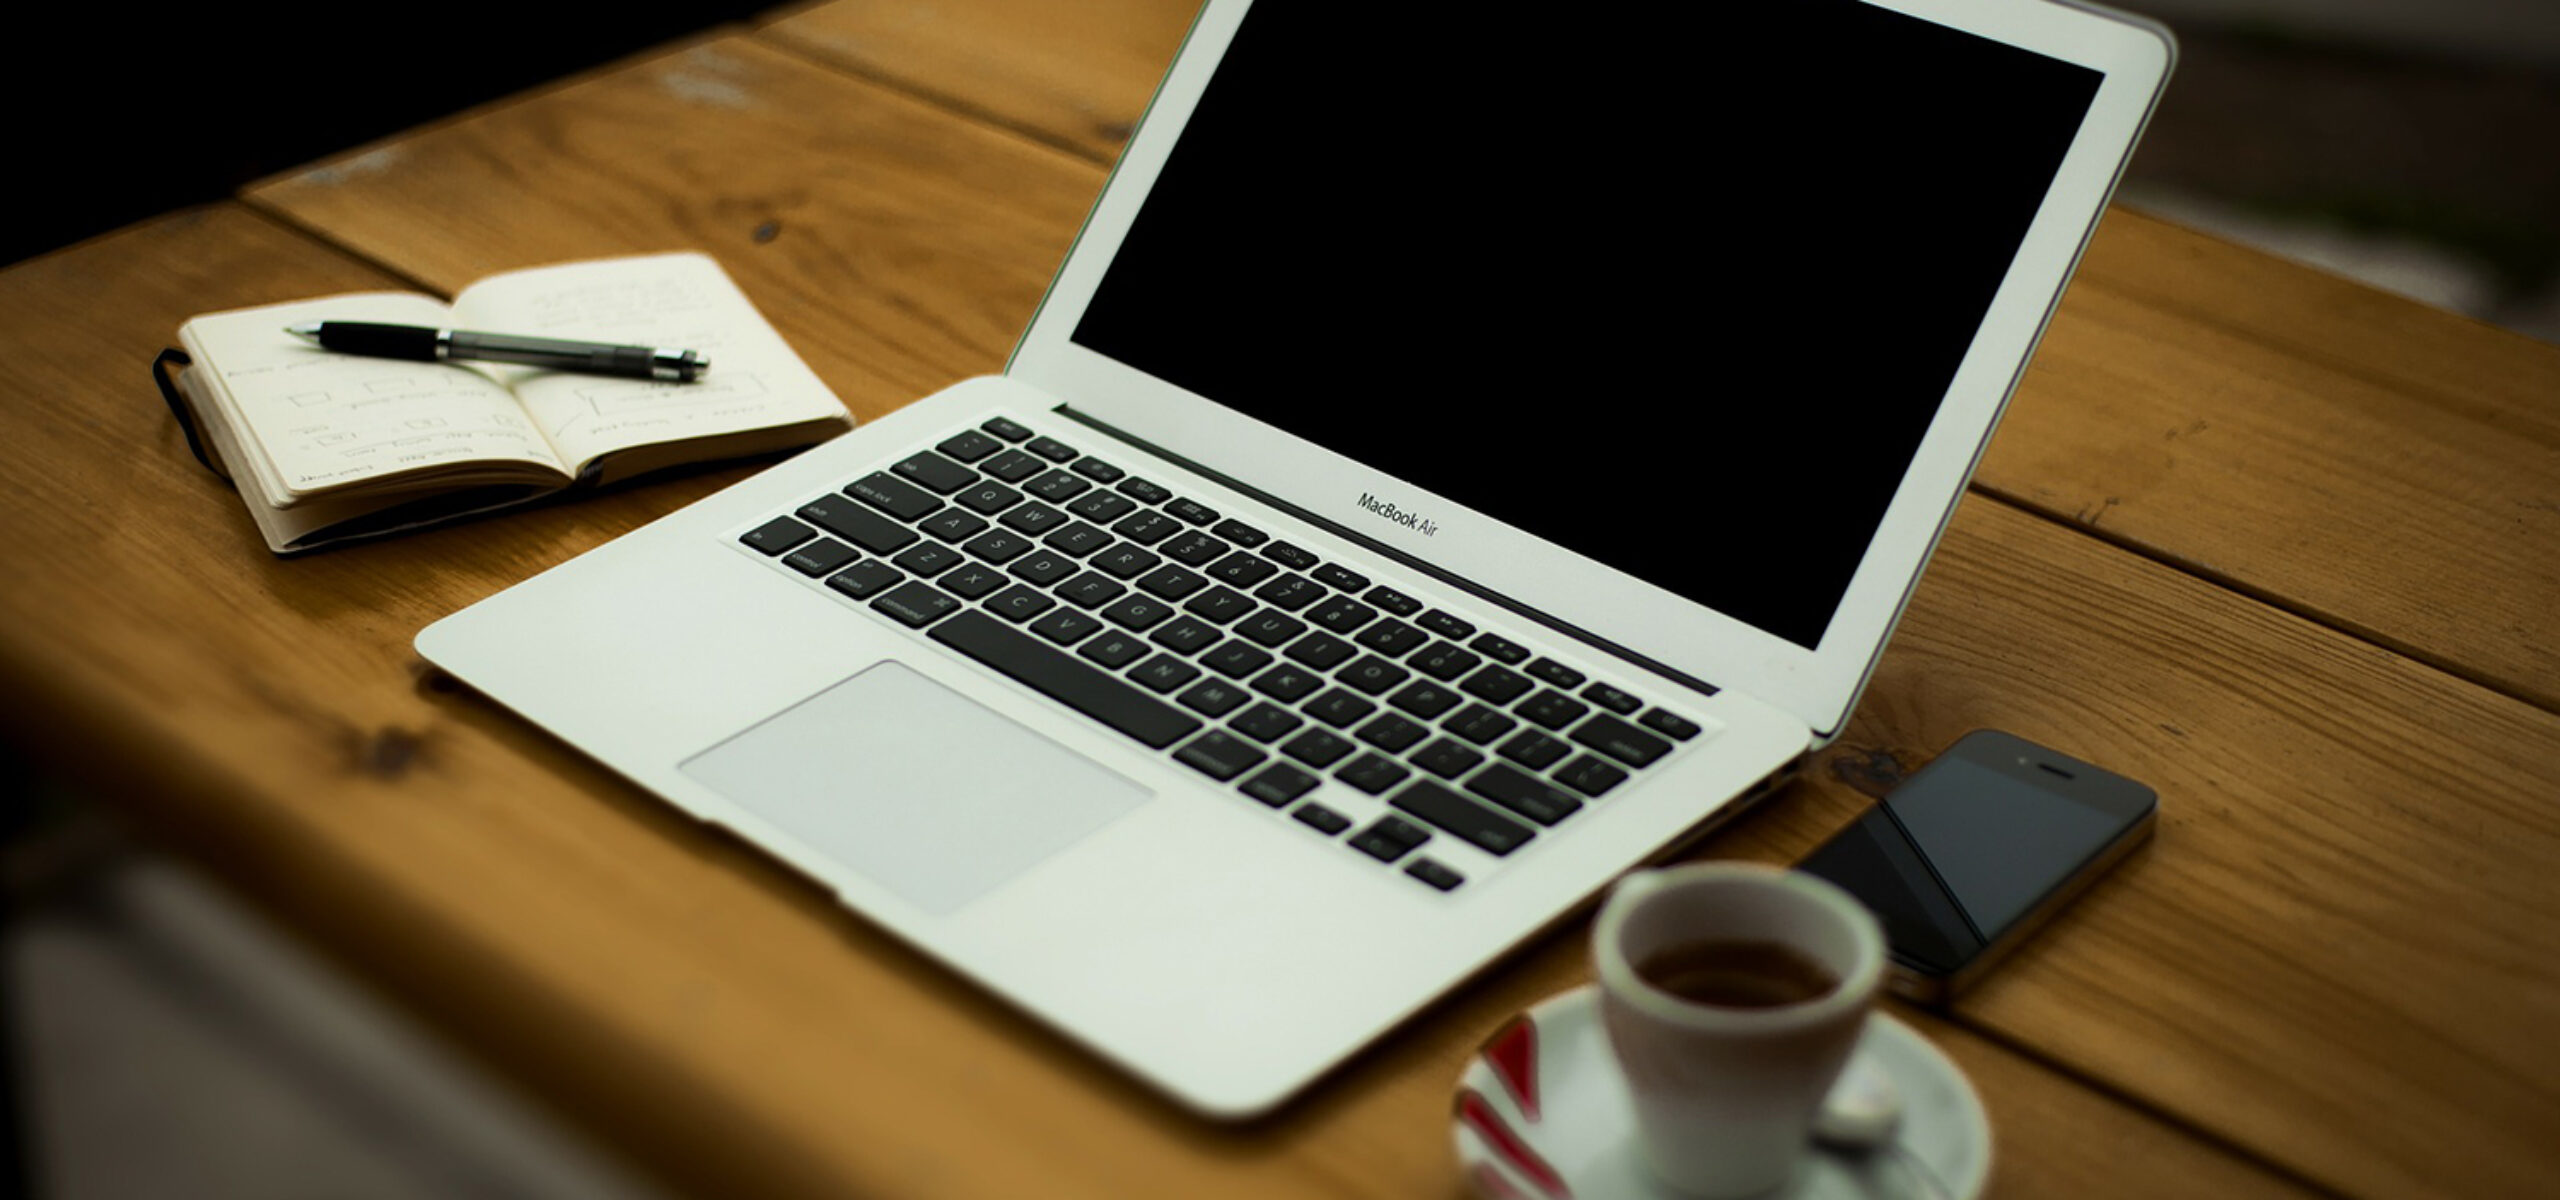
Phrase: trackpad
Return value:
(914, 786)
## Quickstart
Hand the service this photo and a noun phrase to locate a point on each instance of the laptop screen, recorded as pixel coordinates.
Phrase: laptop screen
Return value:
(1681, 298)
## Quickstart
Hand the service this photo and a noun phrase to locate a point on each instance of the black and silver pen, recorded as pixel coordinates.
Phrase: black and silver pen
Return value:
(422, 344)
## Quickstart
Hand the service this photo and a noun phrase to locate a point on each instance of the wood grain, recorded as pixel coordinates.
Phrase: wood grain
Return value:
(668, 987)
(2383, 466)
(1075, 75)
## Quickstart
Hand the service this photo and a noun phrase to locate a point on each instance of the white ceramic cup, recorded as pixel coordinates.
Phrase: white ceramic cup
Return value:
(1725, 1098)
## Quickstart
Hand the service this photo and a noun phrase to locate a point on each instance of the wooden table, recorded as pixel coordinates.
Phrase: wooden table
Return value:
(2285, 548)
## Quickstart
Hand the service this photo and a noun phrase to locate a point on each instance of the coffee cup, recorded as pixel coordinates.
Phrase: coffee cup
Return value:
(1733, 995)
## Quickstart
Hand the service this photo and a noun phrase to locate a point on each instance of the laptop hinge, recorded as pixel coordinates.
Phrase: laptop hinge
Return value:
(1548, 620)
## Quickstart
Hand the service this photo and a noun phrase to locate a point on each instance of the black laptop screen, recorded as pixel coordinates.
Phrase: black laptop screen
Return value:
(1683, 299)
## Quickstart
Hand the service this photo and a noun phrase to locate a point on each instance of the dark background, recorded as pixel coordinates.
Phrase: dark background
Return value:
(118, 112)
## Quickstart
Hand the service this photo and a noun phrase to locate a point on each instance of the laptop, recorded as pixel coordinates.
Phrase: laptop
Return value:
(1457, 462)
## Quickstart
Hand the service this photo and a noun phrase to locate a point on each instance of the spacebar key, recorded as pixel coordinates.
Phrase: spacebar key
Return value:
(1063, 679)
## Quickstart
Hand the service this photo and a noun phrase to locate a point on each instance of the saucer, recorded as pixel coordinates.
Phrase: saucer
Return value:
(1543, 1114)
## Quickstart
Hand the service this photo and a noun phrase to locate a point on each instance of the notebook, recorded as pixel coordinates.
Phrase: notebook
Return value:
(1457, 462)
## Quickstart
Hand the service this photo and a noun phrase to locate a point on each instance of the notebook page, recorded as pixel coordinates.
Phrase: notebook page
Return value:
(327, 420)
(677, 301)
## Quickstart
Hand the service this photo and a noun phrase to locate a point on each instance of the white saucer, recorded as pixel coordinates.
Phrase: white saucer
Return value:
(1543, 1114)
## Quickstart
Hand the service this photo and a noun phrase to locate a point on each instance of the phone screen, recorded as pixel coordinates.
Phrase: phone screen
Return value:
(1961, 853)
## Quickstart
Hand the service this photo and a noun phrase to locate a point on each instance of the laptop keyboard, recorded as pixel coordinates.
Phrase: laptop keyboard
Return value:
(1249, 659)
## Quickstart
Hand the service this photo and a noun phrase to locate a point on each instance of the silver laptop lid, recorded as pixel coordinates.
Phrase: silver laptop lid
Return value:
(1684, 338)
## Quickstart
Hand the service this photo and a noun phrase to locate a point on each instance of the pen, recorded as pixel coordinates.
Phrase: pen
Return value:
(560, 354)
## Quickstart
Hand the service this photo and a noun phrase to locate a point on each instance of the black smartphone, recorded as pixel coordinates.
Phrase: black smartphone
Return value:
(1965, 858)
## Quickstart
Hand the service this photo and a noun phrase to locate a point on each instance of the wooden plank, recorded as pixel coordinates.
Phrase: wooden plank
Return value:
(2388, 468)
(1075, 75)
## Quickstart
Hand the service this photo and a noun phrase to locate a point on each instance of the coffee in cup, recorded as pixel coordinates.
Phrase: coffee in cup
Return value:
(1733, 995)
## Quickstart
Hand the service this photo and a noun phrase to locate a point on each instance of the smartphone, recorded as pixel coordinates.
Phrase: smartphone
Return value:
(1965, 858)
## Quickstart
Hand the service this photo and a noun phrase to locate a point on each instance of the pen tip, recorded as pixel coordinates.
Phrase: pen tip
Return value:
(308, 333)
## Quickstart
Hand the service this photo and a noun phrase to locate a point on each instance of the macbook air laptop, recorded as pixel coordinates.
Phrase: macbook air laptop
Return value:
(1458, 461)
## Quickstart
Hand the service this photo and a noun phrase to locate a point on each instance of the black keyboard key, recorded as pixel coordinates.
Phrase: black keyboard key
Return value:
(1448, 758)
(1296, 558)
(1058, 486)
(1163, 673)
(1147, 528)
(893, 495)
(1243, 569)
(1339, 708)
(865, 579)
(1590, 775)
(1279, 784)
(1014, 466)
(1170, 582)
(1318, 748)
(1524, 794)
(935, 472)
(1266, 722)
(1389, 839)
(1621, 741)
(1479, 724)
(1144, 491)
(999, 546)
(1220, 755)
(1103, 507)
(1052, 449)
(1065, 626)
(972, 581)
(822, 557)
(1341, 578)
(1446, 625)
(1220, 604)
(954, 525)
(1287, 684)
(988, 498)
(1321, 819)
(1534, 750)
(1500, 649)
(1062, 678)
(1192, 511)
(1321, 650)
(1496, 685)
(858, 525)
(1236, 659)
(1433, 873)
(1193, 549)
(777, 535)
(1043, 567)
(1269, 629)
(1019, 604)
(1664, 722)
(1185, 635)
(1033, 518)
(1391, 637)
(1392, 733)
(1290, 592)
(1342, 614)
(1240, 533)
(1009, 430)
(915, 604)
(1612, 699)
(1093, 589)
(1125, 561)
(1372, 773)
(1372, 675)
(1115, 649)
(1213, 697)
(1097, 470)
(1425, 699)
(970, 446)
(1138, 613)
(927, 559)
(1552, 709)
(1393, 601)
(1556, 673)
(1444, 661)
(1462, 818)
